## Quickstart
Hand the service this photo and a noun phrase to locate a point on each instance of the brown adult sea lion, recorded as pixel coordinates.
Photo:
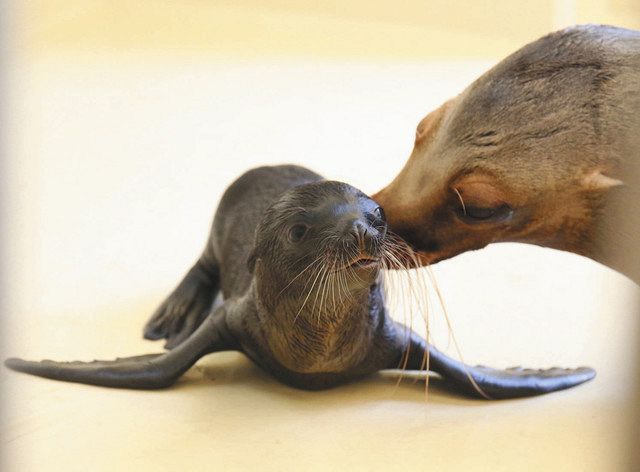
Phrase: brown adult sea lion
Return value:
(544, 148)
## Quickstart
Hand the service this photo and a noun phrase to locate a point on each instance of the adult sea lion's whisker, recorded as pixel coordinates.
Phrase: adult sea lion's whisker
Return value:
(397, 254)
(453, 337)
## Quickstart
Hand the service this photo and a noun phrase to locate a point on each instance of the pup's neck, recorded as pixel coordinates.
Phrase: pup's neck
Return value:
(329, 334)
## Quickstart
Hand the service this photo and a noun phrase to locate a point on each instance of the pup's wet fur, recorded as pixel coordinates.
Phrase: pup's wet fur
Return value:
(297, 259)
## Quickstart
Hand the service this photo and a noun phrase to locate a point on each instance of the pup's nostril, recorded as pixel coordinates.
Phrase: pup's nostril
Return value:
(382, 229)
(360, 232)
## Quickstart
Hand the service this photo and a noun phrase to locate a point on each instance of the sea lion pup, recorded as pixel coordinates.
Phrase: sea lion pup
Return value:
(544, 148)
(298, 261)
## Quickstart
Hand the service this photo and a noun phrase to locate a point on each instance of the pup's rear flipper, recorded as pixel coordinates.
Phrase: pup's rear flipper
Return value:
(187, 306)
(150, 371)
(492, 383)
(515, 382)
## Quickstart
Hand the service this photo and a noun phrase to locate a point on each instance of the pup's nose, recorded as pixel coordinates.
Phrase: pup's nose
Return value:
(359, 231)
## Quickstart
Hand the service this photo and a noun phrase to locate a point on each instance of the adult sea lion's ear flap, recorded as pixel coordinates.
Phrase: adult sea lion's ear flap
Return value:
(599, 182)
(430, 123)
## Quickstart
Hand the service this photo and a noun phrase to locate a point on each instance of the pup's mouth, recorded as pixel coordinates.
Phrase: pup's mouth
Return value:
(363, 261)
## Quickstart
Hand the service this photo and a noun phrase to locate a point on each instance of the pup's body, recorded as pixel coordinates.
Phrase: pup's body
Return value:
(544, 148)
(302, 299)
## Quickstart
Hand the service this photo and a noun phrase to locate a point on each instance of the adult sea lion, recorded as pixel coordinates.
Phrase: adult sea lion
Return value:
(544, 148)
(298, 261)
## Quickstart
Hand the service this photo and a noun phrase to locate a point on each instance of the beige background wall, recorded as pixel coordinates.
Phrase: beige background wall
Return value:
(124, 122)
(355, 29)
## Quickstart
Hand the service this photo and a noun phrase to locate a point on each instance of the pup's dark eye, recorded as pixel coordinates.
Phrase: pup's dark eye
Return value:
(297, 232)
(379, 213)
(477, 214)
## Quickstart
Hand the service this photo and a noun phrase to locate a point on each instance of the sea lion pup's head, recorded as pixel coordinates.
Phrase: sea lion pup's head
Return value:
(326, 236)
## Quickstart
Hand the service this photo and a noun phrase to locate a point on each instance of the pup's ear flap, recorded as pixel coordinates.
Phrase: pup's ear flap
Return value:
(429, 125)
(251, 261)
(598, 182)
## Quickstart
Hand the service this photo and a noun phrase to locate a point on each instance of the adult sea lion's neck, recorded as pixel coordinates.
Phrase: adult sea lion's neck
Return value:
(616, 235)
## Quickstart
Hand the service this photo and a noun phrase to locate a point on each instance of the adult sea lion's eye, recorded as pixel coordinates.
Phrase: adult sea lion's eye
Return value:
(478, 214)
(297, 232)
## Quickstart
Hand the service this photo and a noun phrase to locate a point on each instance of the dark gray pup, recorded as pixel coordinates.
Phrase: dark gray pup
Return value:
(298, 260)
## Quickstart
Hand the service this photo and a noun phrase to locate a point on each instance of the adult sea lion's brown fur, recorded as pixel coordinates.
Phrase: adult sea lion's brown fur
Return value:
(544, 148)
(297, 259)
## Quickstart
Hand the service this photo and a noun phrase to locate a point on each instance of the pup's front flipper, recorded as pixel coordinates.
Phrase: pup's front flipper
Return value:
(150, 371)
(187, 306)
(493, 383)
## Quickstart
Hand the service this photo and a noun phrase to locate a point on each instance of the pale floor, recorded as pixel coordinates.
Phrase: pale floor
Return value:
(226, 414)
(114, 170)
